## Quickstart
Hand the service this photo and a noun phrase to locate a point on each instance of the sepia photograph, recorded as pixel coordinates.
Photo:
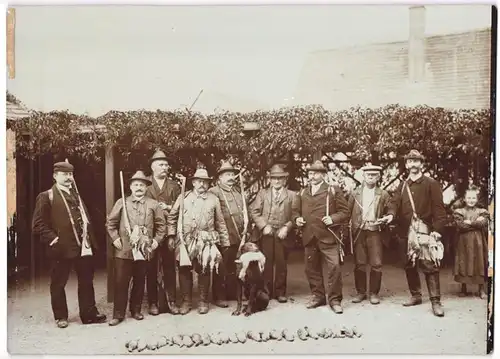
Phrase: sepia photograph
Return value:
(250, 179)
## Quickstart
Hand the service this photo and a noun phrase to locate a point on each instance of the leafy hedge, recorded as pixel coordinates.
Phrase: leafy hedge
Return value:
(450, 139)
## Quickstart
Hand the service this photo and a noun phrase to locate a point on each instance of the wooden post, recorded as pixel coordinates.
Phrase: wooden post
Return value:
(317, 156)
(109, 178)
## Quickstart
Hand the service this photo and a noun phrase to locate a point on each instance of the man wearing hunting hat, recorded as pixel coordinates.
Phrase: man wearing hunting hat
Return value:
(199, 228)
(272, 211)
(323, 209)
(165, 191)
(231, 201)
(61, 220)
(366, 205)
(136, 231)
(418, 207)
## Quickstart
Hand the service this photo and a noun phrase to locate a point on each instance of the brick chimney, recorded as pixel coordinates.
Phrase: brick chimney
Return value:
(416, 44)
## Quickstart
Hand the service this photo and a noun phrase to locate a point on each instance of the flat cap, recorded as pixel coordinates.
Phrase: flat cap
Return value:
(371, 168)
(63, 167)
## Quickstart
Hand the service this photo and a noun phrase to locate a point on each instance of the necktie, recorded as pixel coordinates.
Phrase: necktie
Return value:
(276, 196)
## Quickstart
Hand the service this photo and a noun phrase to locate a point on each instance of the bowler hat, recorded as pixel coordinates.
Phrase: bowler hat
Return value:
(277, 170)
(201, 173)
(227, 167)
(317, 166)
(140, 176)
(371, 168)
(63, 167)
(414, 155)
(158, 155)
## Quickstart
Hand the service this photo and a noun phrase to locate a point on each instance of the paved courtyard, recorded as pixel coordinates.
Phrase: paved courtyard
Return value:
(386, 328)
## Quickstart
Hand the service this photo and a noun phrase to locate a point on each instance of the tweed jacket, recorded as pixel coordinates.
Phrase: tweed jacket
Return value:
(201, 213)
(154, 222)
(355, 203)
(313, 209)
(260, 209)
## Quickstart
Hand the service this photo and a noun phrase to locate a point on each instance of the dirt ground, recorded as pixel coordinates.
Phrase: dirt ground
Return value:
(386, 328)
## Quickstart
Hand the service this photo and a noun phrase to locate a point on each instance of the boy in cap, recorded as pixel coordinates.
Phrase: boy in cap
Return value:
(323, 209)
(165, 191)
(272, 211)
(145, 216)
(418, 205)
(231, 201)
(366, 205)
(61, 220)
(202, 224)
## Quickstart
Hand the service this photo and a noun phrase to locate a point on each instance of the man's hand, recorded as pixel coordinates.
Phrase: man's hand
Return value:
(467, 221)
(154, 244)
(171, 243)
(327, 220)
(435, 235)
(386, 219)
(300, 222)
(283, 232)
(267, 230)
(54, 241)
(163, 205)
(117, 243)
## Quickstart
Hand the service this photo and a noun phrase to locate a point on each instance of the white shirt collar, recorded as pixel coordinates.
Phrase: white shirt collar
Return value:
(64, 188)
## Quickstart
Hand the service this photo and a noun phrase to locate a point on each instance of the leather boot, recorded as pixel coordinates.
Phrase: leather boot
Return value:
(203, 287)
(186, 288)
(433, 286)
(360, 284)
(375, 283)
(413, 279)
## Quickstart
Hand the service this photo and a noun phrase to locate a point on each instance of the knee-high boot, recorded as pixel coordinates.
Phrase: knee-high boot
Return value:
(186, 288)
(360, 284)
(413, 279)
(433, 285)
(203, 287)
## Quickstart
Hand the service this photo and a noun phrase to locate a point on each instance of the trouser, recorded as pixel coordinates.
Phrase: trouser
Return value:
(318, 255)
(275, 269)
(368, 250)
(169, 275)
(84, 268)
(125, 270)
(224, 283)
(186, 282)
(431, 272)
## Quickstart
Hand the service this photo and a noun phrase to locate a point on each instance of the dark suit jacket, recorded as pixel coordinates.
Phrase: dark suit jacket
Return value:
(167, 194)
(313, 209)
(52, 220)
(260, 210)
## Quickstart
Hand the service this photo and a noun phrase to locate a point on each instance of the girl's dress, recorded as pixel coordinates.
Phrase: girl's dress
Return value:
(471, 255)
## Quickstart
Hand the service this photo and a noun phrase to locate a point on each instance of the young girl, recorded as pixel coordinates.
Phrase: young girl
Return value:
(471, 256)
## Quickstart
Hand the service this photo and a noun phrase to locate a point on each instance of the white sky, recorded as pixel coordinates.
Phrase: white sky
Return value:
(96, 59)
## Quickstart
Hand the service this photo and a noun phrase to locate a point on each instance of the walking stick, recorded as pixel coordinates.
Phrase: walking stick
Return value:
(182, 252)
(132, 234)
(332, 190)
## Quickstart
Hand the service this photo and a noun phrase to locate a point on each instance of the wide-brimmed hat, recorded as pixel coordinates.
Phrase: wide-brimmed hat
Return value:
(277, 170)
(158, 155)
(140, 176)
(63, 167)
(227, 167)
(371, 168)
(414, 155)
(317, 166)
(201, 173)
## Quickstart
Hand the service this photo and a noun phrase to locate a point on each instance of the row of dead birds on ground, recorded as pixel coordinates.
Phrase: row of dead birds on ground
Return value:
(219, 338)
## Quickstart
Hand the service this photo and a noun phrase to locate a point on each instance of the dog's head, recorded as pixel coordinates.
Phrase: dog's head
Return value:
(251, 258)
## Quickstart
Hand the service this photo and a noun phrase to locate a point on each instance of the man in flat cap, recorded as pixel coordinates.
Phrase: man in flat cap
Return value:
(323, 209)
(165, 191)
(136, 229)
(61, 220)
(366, 205)
(421, 217)
(203, 229)
(272, 211)
(231, 201)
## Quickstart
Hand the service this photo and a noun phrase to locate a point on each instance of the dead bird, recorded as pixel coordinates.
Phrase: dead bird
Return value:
(233, 338)
(254, 336)
(224, 337)
(276, 335)
(141, 345)
(348, 333)
(302, 334)
(152, 344)
(177, 340)
(133, 345)
(242, 337)
(311, 333)
(206, 339)
(162, 341)
(197, 339)
(356, 332)
(289, 336)
(328, 333)
(216, 339)
(264, 336)
(187, 341)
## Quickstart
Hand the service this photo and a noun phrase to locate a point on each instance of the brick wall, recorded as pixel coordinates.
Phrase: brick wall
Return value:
(457, 74)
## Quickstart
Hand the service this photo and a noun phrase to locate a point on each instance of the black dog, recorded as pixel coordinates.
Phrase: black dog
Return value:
(251, 280)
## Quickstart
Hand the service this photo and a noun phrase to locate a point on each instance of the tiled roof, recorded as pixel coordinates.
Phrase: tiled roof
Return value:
(16, 112)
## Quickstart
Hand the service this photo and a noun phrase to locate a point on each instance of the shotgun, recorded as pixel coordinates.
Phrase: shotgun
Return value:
(183, 255)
